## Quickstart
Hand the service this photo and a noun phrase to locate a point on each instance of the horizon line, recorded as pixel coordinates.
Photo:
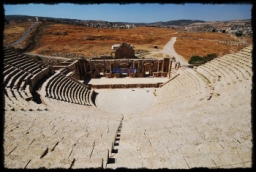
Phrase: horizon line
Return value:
(122, 21)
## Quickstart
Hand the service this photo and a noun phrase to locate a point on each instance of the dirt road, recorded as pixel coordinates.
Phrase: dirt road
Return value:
(25, 34)
(49, 57)
(169, 50)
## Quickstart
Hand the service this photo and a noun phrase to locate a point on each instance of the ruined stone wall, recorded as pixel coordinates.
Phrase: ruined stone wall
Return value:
(94, 68)
(124, 51)
(37, 77)
(76, 68)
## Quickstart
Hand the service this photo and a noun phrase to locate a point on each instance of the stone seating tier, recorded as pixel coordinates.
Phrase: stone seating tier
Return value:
(199, 132)
(57, 93)
(65, 92)
(8, 76)
(7, 60)
(183, 84)
(8, 70)
(13, 79)
(61, 89)
(73, 90)
(25, 81)
(245, 69)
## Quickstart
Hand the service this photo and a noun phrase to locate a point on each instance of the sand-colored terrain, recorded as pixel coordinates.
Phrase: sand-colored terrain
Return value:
(13, 32)
(189, 44)
(63, 39)
(201, 117)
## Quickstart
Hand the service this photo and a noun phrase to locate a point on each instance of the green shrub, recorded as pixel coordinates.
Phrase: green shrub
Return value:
(200, 60)
(194, 59)
(209, 57)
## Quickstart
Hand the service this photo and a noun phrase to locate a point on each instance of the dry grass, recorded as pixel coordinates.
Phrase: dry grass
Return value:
(78, 41)
(13, 32)
(25, 43)
(189, 44)
(90, 42)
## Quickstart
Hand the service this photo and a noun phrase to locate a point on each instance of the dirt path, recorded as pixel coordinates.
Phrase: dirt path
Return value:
(49, 57)
(25, 34)
(169, 50)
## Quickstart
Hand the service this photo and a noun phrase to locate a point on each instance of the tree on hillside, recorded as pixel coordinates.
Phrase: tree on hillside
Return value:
(194, 59)
(209, 57)
(197, 60)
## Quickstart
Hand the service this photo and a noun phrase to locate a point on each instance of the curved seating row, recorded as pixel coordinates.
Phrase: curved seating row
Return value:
(64, 88)
(197, 133)
(185, 85)
(18, 70)
(228, 69)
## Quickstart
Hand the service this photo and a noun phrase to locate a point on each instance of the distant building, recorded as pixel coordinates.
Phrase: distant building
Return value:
(127, 26)
(36, 19)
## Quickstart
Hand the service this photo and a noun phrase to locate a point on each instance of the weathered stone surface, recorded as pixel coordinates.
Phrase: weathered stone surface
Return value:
(177, 129)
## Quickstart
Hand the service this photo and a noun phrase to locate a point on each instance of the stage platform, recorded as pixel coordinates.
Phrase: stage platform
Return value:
(125, 80)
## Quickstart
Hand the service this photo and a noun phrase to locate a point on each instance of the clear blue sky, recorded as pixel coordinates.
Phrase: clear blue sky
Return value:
(135, 12)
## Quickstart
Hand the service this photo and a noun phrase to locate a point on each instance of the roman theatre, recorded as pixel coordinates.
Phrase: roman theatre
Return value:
(123, 111)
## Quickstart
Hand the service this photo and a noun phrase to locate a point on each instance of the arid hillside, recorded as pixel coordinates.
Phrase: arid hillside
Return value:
(13, 32)
(80, 40)
(71, 40)
(189, 44)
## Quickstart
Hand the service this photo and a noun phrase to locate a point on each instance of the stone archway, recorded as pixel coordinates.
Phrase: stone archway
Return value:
(100, 68)
(148, 70)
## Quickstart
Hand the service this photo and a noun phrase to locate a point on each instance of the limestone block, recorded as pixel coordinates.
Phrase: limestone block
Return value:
(62, 163)
(37, 147)
(244, 155)
(222, 158)
(50, 161)
(82, 163)
(82, 149)
(39, 163)
(10, 147)
(232, 166)
(178, 162)
(199, 160)
(16, 161)
(248, 164)
(132, 160)
(209, 147)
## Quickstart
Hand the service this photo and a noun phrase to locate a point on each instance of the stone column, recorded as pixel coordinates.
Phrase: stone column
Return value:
(163, 66)
(84, 67)
(91, 65)
(143, 67)
(151, 71)
(104, 68)
(170, 68)
(77, 68)
(158, 66)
